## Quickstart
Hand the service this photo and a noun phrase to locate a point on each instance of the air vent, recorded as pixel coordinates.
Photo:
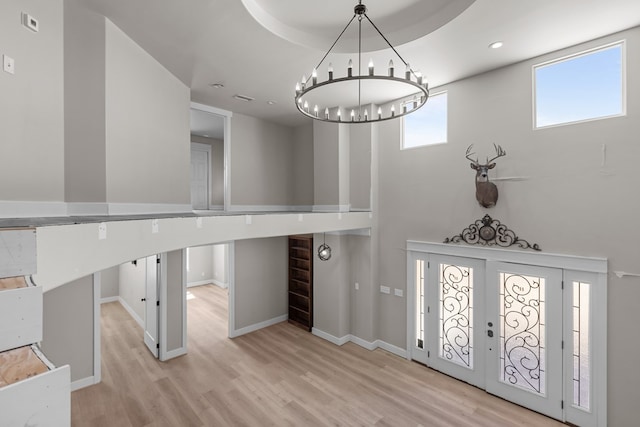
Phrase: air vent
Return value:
(243, 98)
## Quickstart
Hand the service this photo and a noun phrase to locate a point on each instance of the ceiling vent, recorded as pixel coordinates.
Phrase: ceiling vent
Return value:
(243, 98)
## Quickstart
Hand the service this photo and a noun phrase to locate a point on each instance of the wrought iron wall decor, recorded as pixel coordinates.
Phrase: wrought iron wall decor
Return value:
(490, 232)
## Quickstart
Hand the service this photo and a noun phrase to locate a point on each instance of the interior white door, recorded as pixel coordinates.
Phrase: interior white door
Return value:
(524, 336)
(199, 179)
(455, 317)
(151, 305)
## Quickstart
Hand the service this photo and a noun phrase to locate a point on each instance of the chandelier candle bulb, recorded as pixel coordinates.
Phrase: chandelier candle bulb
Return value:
(393, 111)
(298, 89)
(315, 110)
(415, 102)
(326, 113)
(339, 117)
(407, 73)
(379, 113)
(371, 67)
(366, 115)
(314, 77)
(391, 68)
(353, 115)
(303, 81)
(350, 69)
(419, 75)
(330, 70)
(306, 106)
(404, 108)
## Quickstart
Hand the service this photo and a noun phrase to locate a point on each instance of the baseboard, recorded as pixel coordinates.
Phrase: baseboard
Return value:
(109, 299)
(332, 339)
(148, 208)
(88, 209)
(359, 341)
(331, 208)
(255, 327)
(25, 209)
(174, 353)
(220, 284)
(392, 348)
(132, 313)
(269, 208)
(199, 283)
(216, 207)
(362, 343)
(85, 382)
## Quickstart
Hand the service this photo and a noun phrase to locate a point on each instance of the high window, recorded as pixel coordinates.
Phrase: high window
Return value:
(585, 86)
(428, 125)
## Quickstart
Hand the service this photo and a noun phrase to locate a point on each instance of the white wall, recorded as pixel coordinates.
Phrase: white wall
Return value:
(567, 201)
(132, 287)
(200, 269)
(147, 127)
(32, 104)
(261, 162)
(221, 265)
(261, 281)
(110, 282)
(68, 327)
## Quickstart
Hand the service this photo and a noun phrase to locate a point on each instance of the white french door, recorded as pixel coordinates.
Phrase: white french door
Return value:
(524, 335)
(151, 305)
(455, 318)
(530, 328)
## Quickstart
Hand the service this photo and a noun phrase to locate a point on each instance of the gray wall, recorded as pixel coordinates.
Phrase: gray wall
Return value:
(567, 202)
(32, 103)
(360, 167)
(68, 327)
(84, 104)
(200, 264)
(110, 282)
(340, 309)
(261, 268)
(147, 129)
(132, 285)
(221, 264)
(216, 193)
(261, 162)
(303, 165)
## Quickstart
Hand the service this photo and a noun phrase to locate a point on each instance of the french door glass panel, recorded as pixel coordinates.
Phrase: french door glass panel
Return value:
(455, 317)
(524, 353)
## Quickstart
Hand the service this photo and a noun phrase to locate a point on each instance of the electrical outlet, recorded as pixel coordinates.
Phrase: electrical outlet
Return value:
(155, 227)
(357, 286)
(8, 64)
(398, 292)
(385, 289)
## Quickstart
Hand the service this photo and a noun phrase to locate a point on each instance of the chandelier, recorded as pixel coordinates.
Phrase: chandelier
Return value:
(348, 99)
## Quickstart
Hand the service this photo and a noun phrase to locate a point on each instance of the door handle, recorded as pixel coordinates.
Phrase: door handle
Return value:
(143, 299)
(490, 333)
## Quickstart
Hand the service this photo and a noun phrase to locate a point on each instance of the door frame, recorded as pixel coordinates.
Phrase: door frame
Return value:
(226, 115)
(597, 268)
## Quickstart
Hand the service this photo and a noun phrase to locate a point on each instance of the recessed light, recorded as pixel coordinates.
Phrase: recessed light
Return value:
(217, 85)
(496, 45)
(243, 98)
(271, 102)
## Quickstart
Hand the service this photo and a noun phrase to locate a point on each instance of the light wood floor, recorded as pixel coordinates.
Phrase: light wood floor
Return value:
(278, 376)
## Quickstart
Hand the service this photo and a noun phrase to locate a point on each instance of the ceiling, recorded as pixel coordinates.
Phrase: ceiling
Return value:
(261, 48)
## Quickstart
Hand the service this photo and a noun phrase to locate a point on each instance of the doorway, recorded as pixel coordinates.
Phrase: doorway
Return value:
(525, 328)
(209, 157)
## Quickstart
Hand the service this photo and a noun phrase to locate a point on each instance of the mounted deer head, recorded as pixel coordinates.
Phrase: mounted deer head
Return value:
(486, 191)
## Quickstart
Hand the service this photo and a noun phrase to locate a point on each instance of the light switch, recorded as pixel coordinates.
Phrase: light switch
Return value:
(385, 289)
(102, 231)
(8, 64)
(398, 292)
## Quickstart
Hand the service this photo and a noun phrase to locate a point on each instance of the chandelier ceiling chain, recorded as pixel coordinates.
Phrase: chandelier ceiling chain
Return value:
(307, 85)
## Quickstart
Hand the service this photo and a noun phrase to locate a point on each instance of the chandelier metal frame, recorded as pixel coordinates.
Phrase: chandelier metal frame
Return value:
(310, 84)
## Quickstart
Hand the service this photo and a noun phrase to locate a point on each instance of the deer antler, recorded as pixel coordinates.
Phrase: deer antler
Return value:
(469, 153)
(499, 153)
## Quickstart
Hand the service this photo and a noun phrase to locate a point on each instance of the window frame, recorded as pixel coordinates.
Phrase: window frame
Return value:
(623, 86)
(403, 124)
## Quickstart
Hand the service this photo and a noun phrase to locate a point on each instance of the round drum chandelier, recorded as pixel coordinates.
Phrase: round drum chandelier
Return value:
(325, 100)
